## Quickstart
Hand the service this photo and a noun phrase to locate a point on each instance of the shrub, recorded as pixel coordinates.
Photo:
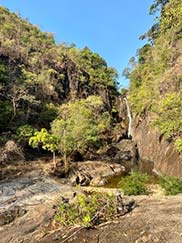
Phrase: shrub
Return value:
(178, 144)
(85, 208)
(172, 185)
(134, 184)
(25, 132)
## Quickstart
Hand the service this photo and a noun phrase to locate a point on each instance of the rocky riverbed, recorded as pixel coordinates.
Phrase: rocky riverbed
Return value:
(28, 204)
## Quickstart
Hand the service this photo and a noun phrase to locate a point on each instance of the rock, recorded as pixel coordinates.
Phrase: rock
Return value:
(94, 172)
(124, 152)
(11, 214)
(99, 181)
(11, 153)
(81, 178)
(154, 148)
(58, 171)
(112, 151)
(164, 217)
(76, 156)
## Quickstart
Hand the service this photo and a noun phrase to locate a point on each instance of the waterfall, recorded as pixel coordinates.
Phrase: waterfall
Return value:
(129, 118)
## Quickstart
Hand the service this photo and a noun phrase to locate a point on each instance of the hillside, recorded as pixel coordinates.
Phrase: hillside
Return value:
(37, 75)
(156, 72)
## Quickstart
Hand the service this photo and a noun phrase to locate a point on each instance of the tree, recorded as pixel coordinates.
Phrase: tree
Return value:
(80, 124)
(46, 140)
(158, 5)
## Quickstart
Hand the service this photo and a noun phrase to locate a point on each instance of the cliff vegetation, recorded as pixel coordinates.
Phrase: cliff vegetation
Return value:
(156, 72)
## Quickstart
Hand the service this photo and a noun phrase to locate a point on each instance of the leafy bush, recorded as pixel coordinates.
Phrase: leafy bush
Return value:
(134, 184)
(84, 209)
(169, 120)
(25, 132)
(172, 185)
(178, 144)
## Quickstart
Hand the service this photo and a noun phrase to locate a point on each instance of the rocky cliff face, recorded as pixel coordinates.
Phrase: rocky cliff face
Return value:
(154, 148)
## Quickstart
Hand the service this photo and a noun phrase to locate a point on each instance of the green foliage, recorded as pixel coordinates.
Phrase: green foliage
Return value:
(84, 209)
(172, 185)
(5, 114)
(124, 91)
(178, 144)
(80, 124)
(155, 81)
(134, 184)
(25, 132)
(94, 65)
(44, 139)
(36, 75)
(169, 118)
(158, 5)
(172, 16)
(48, 114)
(3, 73)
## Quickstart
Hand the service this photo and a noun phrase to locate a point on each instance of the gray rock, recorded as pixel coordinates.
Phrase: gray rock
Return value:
(11, 153)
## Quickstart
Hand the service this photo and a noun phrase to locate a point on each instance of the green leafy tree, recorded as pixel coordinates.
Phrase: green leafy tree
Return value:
(46, 140)
(80, 124)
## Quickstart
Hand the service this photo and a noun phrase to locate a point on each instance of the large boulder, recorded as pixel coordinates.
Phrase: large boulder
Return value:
(11, 152)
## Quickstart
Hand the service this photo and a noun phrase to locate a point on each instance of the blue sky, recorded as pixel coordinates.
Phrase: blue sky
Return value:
(108, 27)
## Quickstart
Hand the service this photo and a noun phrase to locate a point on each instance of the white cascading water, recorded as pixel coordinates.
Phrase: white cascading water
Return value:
(129, 118)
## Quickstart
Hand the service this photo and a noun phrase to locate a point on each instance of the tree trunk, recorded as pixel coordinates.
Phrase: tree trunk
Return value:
(66, 163)
(54, 158)
(14, 109)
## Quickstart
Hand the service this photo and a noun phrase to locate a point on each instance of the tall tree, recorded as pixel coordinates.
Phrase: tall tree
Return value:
(80, 124)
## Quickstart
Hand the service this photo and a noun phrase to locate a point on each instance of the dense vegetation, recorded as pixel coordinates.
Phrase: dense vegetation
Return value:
(87, 209)
(137, 183)
(134, 184)
(156, 72)
(79, 126)
(37, 76)
(171, 185)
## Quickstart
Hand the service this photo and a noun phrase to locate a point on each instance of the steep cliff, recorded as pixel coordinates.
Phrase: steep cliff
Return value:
(155, 151)
(156, 90)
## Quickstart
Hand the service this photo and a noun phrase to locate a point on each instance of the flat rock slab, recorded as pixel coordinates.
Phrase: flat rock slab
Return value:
(27, 205)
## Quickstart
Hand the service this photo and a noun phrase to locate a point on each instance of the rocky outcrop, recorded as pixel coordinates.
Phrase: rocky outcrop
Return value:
(154, 149)
(27, 205)
(124, 152)
(95, 172)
